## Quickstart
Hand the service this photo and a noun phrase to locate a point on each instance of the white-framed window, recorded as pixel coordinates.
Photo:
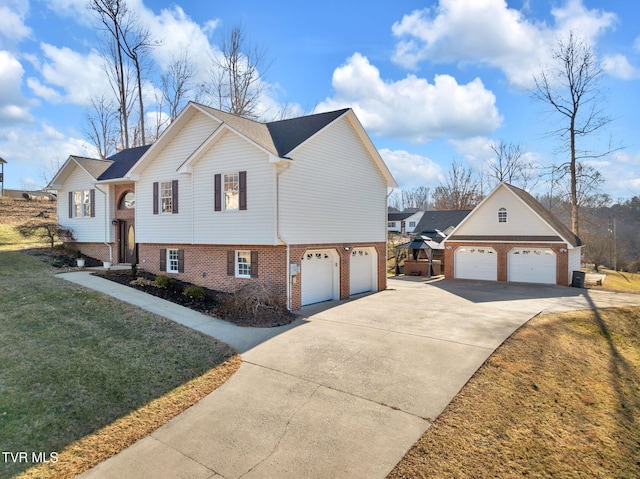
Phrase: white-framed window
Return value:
(391, 224)
(502, 215)
(82, 203)
(412, 224)
(166, 197)
(243, 264)
(231, 191)
(173, 261)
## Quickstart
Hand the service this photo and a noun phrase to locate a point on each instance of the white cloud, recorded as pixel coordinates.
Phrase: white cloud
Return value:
(489, 32)
(12, 26)
(64, 81)
(618, 66)
(412, 108)
(411, 170)
(13, 106)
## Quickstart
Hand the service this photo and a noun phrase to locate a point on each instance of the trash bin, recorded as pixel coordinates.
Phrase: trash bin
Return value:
(577, 280)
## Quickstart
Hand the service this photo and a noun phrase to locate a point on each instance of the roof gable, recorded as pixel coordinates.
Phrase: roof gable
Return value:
(91, 166)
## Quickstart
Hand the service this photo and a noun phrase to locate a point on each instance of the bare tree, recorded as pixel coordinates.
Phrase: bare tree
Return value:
(237, 76)
(137, 44)
(176, 83)
(101, 129)
(571, 88)
(112, 13)
(459, 192)
(511, 167)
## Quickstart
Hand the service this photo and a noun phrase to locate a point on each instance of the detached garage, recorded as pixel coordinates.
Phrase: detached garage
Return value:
(510, 236)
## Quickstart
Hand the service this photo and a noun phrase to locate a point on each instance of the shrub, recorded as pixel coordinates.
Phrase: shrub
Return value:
(255, 305)
(163, 281)
(141, 282)
(193, 291)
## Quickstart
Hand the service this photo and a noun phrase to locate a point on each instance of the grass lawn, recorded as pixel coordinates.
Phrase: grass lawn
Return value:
(84, 375)
(560, 398)
(620, 281)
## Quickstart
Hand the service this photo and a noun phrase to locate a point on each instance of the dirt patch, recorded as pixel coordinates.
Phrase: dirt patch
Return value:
(16, 211)
(241, 308)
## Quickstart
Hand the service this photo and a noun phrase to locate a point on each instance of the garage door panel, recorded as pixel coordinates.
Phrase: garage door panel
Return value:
(476, 263)
(532, 265)
(318, 282)
(362, 270)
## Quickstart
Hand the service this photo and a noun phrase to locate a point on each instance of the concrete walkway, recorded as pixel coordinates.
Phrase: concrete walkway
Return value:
(346, 390)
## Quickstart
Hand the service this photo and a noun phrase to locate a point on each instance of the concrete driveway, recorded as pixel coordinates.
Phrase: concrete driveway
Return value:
(346, 392)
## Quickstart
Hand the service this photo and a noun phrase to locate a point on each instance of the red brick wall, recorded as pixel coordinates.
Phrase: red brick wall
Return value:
(206, 265)
(99, 251)
(502, 250)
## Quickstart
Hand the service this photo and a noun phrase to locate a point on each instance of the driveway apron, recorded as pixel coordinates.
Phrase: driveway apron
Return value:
(349, 389)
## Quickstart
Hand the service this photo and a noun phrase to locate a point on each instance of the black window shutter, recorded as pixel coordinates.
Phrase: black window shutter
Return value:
(92, 200)
(180, 261)
(163, 259)
(231, 263)
(71, 204)
(242, 177)
(174, 196)
(217, 192)
(254, 264)
(156, 194)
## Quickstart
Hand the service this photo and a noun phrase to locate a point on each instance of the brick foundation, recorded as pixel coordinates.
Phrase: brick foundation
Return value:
(502, 251)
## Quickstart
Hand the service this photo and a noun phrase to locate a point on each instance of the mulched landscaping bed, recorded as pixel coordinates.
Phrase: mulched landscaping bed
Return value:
(262, 314)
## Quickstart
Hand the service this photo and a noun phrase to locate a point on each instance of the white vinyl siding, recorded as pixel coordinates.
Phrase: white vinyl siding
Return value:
(170, 228)
(85, 229)
(574, 261)
(522, 221)
(333, 191)
(256, 224)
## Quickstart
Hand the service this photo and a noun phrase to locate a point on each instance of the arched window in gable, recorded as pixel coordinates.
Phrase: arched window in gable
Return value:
(502, 215)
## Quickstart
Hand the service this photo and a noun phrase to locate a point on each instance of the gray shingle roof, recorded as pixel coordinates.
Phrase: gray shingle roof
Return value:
(440, 220)
(122, 162)
(94, 167)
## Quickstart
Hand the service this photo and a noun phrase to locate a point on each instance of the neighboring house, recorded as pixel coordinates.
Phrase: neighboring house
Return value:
(444, 221)
(510, 236)
(223, 201)
(403, 223)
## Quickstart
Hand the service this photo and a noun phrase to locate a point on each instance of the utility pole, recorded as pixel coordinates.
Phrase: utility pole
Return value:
(613, 250)
(2, 162)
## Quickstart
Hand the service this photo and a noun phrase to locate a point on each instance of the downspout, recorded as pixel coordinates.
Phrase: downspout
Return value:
(279, 171)
(106, 223)
(386, 233)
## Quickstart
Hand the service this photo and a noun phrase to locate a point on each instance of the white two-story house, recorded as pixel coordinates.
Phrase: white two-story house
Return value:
(220, 201)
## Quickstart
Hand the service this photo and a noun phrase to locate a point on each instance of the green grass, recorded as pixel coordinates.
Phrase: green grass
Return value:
(10, 239)
(73, 360)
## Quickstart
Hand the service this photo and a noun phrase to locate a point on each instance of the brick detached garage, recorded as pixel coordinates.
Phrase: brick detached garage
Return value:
(510, 236)
(224, 202)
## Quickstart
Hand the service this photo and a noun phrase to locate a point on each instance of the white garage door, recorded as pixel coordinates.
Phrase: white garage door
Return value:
(476, 263)
(532, 265)
(363, 272)
(318, 276)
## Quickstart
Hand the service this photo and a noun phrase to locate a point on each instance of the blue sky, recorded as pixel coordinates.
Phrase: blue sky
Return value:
(431, 81)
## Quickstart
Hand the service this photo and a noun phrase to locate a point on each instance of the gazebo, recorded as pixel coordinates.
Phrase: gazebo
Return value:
(420, 257)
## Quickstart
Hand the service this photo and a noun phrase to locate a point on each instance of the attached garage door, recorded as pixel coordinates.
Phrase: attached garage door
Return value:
(363, 273)
(318, 276)
(532, 265)
(476, 263)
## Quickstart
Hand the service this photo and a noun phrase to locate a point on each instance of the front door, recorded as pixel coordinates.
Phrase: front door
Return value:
(127, 242)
